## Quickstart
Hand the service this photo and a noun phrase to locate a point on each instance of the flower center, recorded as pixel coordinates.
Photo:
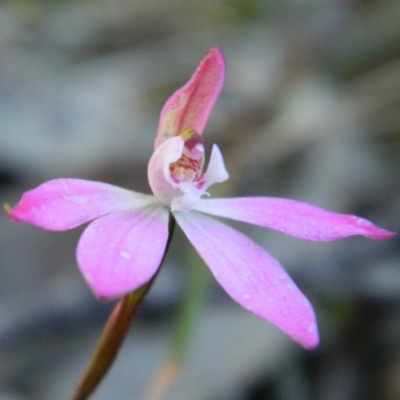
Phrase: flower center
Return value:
(189, 167)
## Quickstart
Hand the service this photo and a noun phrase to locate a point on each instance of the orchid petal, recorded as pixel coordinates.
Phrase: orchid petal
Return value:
(216, 171)
(63, 204)
(292, 217)
(120, 252)
(251, 276)
(190, 106)
(161, 183)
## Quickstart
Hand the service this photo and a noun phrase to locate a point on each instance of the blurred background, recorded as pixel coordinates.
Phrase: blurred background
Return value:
(310, 110)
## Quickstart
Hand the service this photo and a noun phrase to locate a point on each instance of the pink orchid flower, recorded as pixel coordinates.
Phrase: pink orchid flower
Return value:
(123, 247)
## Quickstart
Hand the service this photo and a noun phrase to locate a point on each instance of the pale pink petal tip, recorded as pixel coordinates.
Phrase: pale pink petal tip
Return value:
(308, 338)
(216, 170)
(370, 230)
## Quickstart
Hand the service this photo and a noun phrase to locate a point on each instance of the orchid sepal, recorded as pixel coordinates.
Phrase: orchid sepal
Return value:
(120, 252)
(63, 204)
(190, 106)
(251, 276)
(295, 218)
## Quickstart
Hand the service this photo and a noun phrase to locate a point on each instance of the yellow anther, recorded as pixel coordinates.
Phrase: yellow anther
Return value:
(188, 134)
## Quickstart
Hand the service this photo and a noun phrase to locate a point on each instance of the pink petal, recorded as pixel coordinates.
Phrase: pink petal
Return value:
(63, 204)
(158, 172)
(293, 218)
(216, 171)
(190, 106)
(120, 252)
(251, 276)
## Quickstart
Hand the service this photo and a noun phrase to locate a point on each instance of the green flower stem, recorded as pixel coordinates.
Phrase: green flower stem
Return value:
(186, 320)
(191, 307)
(114, 334)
